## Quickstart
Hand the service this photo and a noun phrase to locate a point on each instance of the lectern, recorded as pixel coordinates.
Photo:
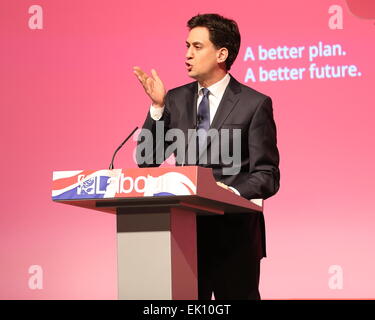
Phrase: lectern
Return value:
(156, 212)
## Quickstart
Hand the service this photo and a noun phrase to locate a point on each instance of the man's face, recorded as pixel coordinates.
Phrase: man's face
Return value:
(201, 57)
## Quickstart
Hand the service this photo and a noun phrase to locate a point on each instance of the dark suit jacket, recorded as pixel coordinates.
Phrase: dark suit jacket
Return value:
(240, 108)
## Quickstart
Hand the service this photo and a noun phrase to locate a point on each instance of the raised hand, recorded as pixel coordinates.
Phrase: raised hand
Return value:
(153, 86)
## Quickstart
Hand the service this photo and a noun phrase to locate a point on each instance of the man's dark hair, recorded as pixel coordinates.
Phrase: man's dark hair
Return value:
(224, 33)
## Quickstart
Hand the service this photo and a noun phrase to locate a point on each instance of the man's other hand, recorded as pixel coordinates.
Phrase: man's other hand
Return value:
(223, 185)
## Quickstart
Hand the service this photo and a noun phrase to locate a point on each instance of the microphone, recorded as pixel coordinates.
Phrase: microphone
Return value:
(113, 158)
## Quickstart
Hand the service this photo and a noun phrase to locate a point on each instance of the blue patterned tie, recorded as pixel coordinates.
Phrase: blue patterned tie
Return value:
(203, 119)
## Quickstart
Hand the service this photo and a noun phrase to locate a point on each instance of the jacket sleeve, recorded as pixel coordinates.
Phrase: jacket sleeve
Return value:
(151, 143)
(263, 177)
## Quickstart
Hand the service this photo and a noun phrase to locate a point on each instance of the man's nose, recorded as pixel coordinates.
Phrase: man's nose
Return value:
(189, 53)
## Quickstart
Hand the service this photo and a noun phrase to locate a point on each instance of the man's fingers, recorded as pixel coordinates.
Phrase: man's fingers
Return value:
(220, 184)
(223, 185)
(138, 70)
(155, 74)
(141, 75)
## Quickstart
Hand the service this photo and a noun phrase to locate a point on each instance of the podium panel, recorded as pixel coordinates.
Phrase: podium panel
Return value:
(157, 255)
(156, 212)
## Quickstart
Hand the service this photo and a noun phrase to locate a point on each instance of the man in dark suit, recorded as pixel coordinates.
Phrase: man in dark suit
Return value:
(230, 247)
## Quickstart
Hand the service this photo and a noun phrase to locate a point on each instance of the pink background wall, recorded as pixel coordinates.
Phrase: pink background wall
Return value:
(68, 98)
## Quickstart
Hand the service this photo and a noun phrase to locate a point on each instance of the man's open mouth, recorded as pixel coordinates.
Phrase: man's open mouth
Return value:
(188, 66)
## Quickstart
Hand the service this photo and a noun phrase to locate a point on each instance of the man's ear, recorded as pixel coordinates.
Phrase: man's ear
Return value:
(222, 55)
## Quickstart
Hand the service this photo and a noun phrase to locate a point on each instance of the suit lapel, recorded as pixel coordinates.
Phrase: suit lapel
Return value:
(191, 105)
(227, 103)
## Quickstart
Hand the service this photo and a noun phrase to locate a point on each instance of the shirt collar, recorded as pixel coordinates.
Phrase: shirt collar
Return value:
(218, 88)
